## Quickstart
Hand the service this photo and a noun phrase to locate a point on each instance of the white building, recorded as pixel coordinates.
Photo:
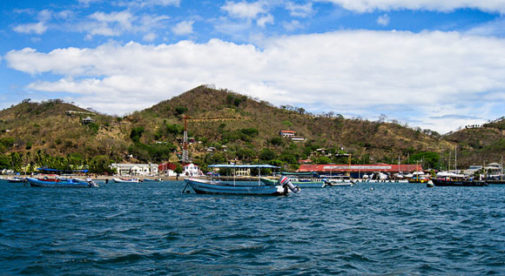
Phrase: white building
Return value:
(135, 169)
(192, 170)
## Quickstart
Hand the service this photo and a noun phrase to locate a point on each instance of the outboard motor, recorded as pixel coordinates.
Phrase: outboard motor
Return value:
(286, 184)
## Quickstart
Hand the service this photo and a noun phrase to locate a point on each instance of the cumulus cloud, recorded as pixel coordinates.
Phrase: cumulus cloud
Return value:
(432, 74)
(244, 9)
(383, 20)
(183, 28)
(149, 3)
(35, 28)
(299, 10)
(118, 23)
(264, 20)
(31, 28)
(432, 5)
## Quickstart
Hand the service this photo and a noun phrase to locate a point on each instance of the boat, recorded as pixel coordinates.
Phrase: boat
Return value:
(305, 180)
(296, 182)
(126, 180)
(418, 177)
(339, 180)
(151, 180)
(61, 183)
(16, 179)
(210, 186)
(457, 180)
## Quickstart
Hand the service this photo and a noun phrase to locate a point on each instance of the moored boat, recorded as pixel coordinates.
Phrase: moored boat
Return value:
(126, 180)
(209, 186)
(16, 179)
(457, 180)
(339, 180)
(301, 184)
(61, 183)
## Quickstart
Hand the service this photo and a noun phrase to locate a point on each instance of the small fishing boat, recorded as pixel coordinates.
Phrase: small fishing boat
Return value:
(126, 180)
(209, 186)
(297, 182)
(456, 180)
(151, 180)
(16, 179)
(305, 179)
(339, 180)
(418, 177)
(61, 183)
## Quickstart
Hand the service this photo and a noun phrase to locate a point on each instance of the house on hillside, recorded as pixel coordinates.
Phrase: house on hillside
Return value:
(287, 133)
(87, 120)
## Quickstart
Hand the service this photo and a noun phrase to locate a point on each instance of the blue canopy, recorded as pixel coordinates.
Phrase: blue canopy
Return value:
(56, 170)
(257, 166)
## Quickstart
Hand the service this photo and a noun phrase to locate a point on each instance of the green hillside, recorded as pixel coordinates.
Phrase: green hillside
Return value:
(224, 126)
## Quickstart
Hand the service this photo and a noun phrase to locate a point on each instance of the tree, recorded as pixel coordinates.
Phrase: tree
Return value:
(267, 154)
(4, 162)
(136, 133)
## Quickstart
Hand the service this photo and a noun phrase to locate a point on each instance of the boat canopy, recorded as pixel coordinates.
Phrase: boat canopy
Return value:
(315, 174)
(258, 166)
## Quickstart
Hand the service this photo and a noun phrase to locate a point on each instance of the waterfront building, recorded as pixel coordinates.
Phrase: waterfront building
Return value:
(358, 170)
(192, 170)
(167, 169)
(135, 169)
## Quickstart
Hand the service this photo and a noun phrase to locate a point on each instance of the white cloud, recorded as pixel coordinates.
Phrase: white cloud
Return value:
(244, 9)
(31, 28)
(118, 23)
(150, 3)
(299, 10)
(432, 74)
(433, 5)
(292, 25)
(383, 20)
(150, 37)
(35, 28)
(183, 28)
(264, 20)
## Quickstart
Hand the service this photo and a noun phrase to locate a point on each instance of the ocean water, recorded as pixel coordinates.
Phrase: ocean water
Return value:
(153, 229)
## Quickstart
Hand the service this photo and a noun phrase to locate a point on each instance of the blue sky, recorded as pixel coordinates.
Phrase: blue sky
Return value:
(425, 63)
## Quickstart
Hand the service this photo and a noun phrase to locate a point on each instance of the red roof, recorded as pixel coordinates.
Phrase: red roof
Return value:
(288, 131)
(359, 168)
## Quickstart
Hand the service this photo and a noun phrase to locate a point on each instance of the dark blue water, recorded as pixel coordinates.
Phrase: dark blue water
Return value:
(152, 228)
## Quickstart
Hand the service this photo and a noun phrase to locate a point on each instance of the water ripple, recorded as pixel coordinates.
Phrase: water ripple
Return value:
(152, 228)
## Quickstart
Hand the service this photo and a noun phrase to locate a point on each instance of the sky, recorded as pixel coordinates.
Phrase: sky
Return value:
(432, 64)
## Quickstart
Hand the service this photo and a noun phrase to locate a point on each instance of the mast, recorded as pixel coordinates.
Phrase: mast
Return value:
(185, 156)
(456, 158)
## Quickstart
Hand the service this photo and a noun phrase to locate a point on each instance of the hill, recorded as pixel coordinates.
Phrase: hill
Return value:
(480, 145)
(224, 126)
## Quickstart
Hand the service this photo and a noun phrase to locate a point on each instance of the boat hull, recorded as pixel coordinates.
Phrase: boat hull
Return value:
(117, 180)
(59, 184)
(201, 186)
(458, 183)
(301, 184)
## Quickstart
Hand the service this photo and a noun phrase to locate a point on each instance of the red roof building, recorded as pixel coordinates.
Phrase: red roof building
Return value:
(341, 168)
(287, 133)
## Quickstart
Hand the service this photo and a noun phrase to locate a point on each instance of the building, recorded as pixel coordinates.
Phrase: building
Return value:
(135, 169)
(167, 169)
(297, 139)
(191, 170)
(358, 170)
(287, 133)
(87, 120)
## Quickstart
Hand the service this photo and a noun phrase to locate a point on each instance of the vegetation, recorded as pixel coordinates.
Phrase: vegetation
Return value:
(226, 127)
